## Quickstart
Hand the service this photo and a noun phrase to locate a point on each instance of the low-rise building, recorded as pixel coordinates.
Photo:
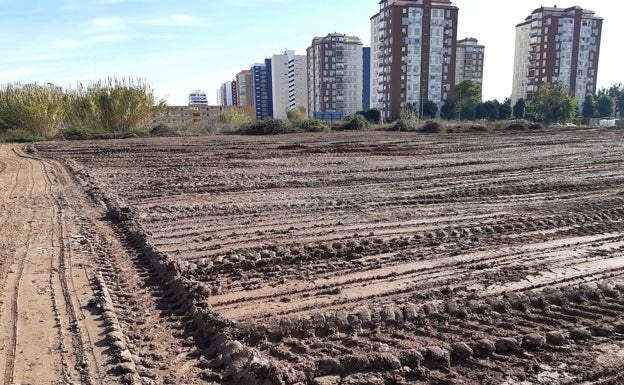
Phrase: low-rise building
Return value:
(196, 114)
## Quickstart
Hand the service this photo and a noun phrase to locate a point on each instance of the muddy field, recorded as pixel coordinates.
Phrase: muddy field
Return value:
(359, 258)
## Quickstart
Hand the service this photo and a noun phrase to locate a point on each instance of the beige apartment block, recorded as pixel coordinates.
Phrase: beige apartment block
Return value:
(289, 74)
(557, 46)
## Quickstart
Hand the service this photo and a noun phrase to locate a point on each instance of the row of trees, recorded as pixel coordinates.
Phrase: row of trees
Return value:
(550, 103)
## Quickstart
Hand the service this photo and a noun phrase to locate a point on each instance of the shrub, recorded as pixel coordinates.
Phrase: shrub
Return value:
(75, 134)
(163, 130)
(266, 127)
(311, 125)
(477, 128)
(404, 125)
(431, 127)
(354, 123)
(536, 126)
(516, 126)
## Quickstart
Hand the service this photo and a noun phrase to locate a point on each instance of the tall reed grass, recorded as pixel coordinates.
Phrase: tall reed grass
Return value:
(117, 105)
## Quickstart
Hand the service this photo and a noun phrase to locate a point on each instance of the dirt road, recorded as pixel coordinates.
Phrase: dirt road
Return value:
(47, 333)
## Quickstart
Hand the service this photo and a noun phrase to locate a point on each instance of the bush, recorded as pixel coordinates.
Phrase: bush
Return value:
(75, 133)
(536, 126)
(431, 127)
(404, 125)
(477, 128)
(311, 125)
(163, 130)
(372, 115)
(516, 126)
(354, 123)
(266, 127)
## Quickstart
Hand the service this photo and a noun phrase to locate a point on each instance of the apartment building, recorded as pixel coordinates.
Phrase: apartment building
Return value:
(366, 80)
(557, 46)
(261, 75)
(228, 95)
(244, 88)
(335, 76)
(413, 54)
(289, 81)
(196, 114)
(198, 97)
(469, 64)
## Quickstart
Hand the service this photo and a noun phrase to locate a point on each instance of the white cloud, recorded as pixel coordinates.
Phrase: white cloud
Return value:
(172, 20)
(109, 23)
(70, 43)
(110, 38)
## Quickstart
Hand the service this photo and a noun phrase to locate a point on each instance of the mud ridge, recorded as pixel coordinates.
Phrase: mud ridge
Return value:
(239, 364)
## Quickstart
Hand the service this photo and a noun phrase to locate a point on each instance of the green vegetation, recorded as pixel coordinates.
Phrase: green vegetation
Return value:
(114, 107)
(553, 104)
(353, 123)
(372, 115)
(589, 106)
(119, 108)
(466, 96)
(279, 126)
(519, 109)
(297, 114)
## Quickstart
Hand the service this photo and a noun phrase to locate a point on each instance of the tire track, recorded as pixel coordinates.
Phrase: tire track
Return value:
(10, 359)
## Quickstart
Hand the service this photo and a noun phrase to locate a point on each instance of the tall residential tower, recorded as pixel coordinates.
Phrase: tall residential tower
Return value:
(289, 83)
(335, 76)
(557, 46)
(244, 88)
(413, 48)
(470, 57)
(262, 91)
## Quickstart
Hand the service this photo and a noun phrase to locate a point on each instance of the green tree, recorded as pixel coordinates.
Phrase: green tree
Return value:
(467, 112)
(605, 106)
(467, 95)
(589, 106)
(447, 111)
(430, 109)
(519, 109)
(504, 109)
(616, 92)
(487, 110)
(373, 115)
(553, 103)
(298, 113)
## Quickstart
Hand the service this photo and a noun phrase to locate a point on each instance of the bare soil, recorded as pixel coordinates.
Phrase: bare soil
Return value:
(341, 258)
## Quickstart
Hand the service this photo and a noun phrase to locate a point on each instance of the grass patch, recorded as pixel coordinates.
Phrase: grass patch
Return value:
(20, 136)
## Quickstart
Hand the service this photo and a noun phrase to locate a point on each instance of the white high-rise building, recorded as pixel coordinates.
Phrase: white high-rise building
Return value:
(289, 75)
(198, 97)
(335, 76)
(557, 46)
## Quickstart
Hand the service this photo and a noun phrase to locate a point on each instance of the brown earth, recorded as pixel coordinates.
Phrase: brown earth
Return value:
(350, 258)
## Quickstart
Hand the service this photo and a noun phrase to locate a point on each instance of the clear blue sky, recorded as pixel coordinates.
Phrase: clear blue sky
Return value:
(182, 46)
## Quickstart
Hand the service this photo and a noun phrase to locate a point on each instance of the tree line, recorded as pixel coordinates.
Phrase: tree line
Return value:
(549, 104)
